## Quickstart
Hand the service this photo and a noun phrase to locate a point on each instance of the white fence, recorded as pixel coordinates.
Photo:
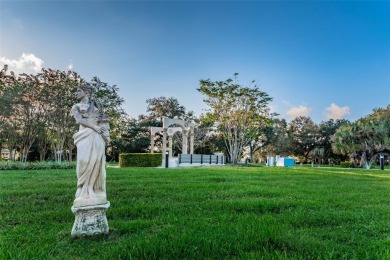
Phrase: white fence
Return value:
(201, 159)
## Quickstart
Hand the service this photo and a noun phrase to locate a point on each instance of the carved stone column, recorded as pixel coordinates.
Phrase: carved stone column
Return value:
(170, 146)
(185, 142)
(164, 148)
(152, 144)
(192, 139)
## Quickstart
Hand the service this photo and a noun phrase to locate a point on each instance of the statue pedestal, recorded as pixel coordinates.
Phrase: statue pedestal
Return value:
(90, 220)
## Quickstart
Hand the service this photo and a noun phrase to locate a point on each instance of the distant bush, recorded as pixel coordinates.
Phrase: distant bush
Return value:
(10, 165)
(346, 165)
(140, 160)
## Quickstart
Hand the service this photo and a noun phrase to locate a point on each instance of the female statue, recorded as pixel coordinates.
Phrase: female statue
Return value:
(91, 139)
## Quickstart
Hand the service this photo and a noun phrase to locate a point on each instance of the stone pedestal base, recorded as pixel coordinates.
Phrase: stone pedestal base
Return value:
(90, 220)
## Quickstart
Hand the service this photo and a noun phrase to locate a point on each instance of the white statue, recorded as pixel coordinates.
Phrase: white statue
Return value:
(91, 139)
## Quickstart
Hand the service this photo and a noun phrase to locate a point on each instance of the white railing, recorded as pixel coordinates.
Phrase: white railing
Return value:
(202, 159)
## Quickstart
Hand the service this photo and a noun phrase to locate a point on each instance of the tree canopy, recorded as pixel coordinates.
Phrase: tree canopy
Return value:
(237, 112)
(35, 120)
(35, 110)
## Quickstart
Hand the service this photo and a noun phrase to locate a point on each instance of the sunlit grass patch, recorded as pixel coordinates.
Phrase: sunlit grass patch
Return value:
(224, 212)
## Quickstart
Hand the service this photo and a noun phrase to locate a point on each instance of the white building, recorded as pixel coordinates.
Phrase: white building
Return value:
(4, 154)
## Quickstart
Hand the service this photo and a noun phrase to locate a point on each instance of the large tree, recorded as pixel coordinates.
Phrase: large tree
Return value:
(366, 138)
(35, 109)
(21, 112)
(276, 140)
(59, 87)
(163, 106)
(9, 124)
(137, 134)
(237, 112)
(324, 145)
(111, 104)
(304, 136)
(380, 117)
(374, 137)
(345, 142)
(207, 139)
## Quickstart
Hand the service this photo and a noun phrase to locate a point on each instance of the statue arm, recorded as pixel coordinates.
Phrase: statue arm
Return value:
(81, 121)
(106, 139)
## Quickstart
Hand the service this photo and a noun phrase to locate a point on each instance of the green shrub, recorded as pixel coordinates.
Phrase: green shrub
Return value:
(140, 159)
(11, 165)
(346, 165)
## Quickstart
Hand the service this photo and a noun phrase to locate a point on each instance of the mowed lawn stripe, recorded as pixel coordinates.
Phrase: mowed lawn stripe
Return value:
(208, 212)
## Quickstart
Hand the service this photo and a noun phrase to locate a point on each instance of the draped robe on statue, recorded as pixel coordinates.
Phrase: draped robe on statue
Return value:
(91, 172)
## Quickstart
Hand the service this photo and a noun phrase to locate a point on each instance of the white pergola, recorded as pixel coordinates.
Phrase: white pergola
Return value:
(185, 128)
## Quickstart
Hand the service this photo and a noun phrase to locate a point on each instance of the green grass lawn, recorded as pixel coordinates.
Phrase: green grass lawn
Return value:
(242, 212)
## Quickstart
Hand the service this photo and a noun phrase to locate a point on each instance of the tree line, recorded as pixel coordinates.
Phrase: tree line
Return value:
(239, 123)
(35, 112)
(35, 120)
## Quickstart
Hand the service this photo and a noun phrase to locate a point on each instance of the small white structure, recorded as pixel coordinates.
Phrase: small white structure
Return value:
(280, 161)
(185, 159)
(285, 162)
(170, 132)
(270, 161)
(189, 160)
(186, 128)
(5, 154)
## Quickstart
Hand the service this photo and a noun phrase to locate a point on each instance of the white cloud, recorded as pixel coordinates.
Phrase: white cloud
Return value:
(26, 63)
(70, 66)
(336, 112)
(299, 111)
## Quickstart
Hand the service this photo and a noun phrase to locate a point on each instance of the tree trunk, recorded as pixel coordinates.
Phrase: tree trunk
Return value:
(69, 147)
(23, 155)
(251, 153)
(306, 156)
(363, 160)
(42, 147)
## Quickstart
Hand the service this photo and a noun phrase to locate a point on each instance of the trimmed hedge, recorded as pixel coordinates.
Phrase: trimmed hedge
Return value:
(346, 165)
(140, 159)
(10, 165)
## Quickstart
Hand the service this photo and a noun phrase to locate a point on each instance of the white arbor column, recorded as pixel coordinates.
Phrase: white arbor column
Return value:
(185, 142)
(192, 138)
(170, 146)
(164, 148)
(152, 144)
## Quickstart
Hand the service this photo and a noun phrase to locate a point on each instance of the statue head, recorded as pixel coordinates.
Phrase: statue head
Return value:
(86, 88)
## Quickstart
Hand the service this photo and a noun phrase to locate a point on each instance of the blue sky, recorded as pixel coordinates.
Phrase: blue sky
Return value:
(324, 59)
